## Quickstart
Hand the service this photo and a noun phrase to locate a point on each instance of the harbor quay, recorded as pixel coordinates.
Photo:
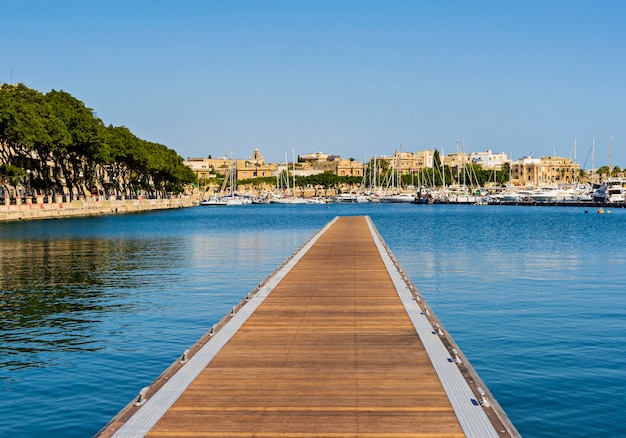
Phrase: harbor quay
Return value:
(337, 341)
(48, 207)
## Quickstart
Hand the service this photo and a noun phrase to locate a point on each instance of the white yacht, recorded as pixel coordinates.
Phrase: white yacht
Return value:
(350, 198)
(612, 191)
(399, 198)
(213, 202)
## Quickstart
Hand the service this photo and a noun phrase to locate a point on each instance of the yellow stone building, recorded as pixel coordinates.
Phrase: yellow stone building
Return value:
(536, 172)
(320, 162)
(408, 162)
(456, 160)
(347, 167)
(255, 167)
(207, 168)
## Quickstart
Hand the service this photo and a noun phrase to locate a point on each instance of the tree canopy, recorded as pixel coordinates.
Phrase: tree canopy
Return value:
(67, 148)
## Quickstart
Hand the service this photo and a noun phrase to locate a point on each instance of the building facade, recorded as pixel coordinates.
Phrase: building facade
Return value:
(405, 163)
(489, 160)
(255, 167)
(321, 162)
(207, 168)
(348, 167)
(544, 171)
(456, 160)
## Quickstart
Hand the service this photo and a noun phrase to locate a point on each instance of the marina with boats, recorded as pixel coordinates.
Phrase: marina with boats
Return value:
(425, 177)
(135, 291)
(610, 193)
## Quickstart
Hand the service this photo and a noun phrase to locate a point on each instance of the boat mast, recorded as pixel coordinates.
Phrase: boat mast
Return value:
(443, 170)
(230, 175)
(593, 146)
(374, 189)
(573, 161)
(373, 176)
(433, 185)
(458, 159)
(287, 174)
(610, 155)
(464, 168)
(554, 179)
(398, 170)
(293, 166)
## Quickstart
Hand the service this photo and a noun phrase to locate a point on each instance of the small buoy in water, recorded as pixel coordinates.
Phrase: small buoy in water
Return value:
(600, 210)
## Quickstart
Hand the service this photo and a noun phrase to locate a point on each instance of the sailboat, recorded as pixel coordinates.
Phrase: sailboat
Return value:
(289, 196)
(230, 198)
(213, 201)
(394, 193)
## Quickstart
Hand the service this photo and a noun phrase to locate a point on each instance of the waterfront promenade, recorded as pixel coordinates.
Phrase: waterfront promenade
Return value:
(47, 208)
(336, 342)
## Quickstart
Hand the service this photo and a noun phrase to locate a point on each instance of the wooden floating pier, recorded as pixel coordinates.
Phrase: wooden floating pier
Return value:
(337, 342)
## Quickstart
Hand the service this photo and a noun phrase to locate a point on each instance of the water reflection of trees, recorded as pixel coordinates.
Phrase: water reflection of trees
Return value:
(53, 292)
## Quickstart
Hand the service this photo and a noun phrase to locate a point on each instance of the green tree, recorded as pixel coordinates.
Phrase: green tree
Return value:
(616, 171)
(11, 175)
(603, 171)
(504, 175)
(87, 156)
(437, 159)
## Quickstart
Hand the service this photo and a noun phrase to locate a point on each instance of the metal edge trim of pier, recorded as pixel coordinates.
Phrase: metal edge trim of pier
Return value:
(468, 401)
(467, 405)
(157, 405)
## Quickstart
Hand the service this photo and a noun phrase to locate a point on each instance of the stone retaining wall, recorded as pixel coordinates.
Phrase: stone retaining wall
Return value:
(85, 207)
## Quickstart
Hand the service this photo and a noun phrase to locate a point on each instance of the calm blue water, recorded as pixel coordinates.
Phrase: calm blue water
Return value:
(92, 310)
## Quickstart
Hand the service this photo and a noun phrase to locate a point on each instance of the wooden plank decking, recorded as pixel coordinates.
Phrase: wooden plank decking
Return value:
(330, 352)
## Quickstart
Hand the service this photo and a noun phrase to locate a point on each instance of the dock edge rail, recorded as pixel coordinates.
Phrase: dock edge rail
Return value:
(428, 324)
(145, 410)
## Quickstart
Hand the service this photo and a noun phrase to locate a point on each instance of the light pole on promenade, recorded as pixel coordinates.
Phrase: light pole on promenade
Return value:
(28, 172)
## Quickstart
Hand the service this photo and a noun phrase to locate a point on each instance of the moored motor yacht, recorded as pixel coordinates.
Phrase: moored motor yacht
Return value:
(611, 191)
(399, 198)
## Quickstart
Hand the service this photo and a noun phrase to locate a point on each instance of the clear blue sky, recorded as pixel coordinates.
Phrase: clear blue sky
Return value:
(357, 78)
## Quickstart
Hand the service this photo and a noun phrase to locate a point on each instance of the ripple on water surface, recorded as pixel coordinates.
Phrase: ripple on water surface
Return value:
(94, 309)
